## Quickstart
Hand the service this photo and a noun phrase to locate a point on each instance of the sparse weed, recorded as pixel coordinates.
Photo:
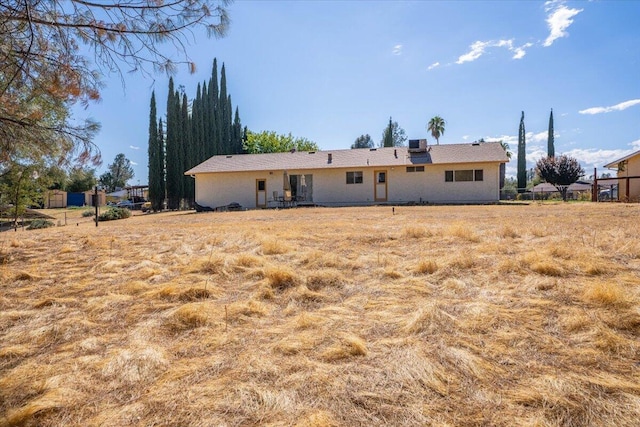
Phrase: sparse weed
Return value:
(281, 278)
(606, 293)
(426, 267)
(415, 232)
(464, 231)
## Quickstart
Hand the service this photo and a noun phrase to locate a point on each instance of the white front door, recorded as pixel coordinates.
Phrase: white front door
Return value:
(261, 193)
(380, 185)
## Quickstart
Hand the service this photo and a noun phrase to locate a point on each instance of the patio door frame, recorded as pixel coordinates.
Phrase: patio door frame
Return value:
(261, 194)
(378, 194)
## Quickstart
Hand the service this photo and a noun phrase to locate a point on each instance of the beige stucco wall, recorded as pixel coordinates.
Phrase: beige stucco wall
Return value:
(632, 169)
(330, 188)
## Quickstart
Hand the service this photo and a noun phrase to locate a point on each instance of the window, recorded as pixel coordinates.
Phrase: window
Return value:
(415, 168)
(354, 177)
(464, 175)
(382, 177)
(262, 185)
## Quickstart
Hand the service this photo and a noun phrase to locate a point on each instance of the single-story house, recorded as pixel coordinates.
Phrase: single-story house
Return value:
(451, 173)
(628, 174)
(573, 191)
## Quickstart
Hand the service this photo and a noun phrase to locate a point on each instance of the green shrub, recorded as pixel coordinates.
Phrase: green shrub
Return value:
(86, 214)
(40, 223)
(114, 213)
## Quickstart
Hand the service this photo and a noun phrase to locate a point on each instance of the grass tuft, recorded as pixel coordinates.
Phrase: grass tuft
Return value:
(281, 278)
(347, 347)
(464, 231)
(426, 267)
(606, 293)
(274, 247)
(325, 278)
(415, 232)
(548, 268)
(188, 316)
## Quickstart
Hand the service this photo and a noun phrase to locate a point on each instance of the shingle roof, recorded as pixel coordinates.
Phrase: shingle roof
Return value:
(362, 157)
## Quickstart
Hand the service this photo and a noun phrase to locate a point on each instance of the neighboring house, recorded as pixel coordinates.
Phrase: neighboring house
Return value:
(573, 191)
(452, 173)
(628, 174)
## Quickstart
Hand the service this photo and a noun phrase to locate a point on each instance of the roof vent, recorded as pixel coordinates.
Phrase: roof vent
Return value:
(312, 152)
(329, 158)
(475, 143)
(373, 149)
(417, 145)
(228, 157)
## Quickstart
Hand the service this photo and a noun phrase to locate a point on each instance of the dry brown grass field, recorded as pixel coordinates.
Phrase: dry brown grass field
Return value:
(523, 315)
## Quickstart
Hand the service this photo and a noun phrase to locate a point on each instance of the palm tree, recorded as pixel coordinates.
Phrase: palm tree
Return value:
(436, 127)
(505, 146)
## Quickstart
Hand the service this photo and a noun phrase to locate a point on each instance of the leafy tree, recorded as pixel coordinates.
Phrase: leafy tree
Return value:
(393, 135)
(550, 138)
(57, 176)
(81, 179)
(44, 68)
(119, 172)
(436, 127)
(522, 153)
(509, 190)
(363, 141)
(21, 186)
(271, 142)
(560, 172)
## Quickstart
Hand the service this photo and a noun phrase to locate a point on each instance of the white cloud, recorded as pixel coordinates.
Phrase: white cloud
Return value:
(635, 144)
(465, 137)
(618, 107)
(591, 157)
(478, 48)
(538, 137)
(434, 65)
(558, 20)
(397, 50)
(133, 147)
(519, 52)
(134, 164)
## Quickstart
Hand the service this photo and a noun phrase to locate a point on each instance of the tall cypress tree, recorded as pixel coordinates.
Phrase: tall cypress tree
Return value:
(156, 172)
(214, 119)
(173, 152)
(237, 134)
(224, 115)
(387, 138)
(188, 160)
(551, 152)
(195, 127)
(163, 165)
(522, 161)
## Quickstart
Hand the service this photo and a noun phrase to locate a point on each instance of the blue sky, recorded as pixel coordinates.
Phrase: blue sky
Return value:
(330, 71)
